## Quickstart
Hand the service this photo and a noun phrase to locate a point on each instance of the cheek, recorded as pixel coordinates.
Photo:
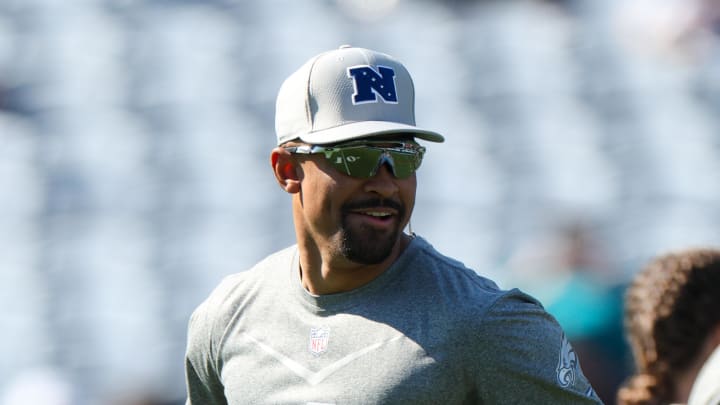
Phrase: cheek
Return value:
(326, 204)
(410, 193)
(408, 190)
(322, 195)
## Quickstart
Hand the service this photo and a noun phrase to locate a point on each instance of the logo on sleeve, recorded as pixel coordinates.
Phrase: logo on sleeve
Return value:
(370, 83)
(567, 368)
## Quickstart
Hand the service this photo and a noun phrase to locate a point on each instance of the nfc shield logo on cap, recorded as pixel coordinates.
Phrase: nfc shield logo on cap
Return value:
(347, 93)
(370, 83)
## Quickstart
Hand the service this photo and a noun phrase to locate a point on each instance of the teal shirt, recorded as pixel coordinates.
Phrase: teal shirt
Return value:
(426, 331)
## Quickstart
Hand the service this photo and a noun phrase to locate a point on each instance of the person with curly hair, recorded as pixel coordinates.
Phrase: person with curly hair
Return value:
(672, 322)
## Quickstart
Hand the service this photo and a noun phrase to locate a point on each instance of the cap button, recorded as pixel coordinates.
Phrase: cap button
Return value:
(345, 46)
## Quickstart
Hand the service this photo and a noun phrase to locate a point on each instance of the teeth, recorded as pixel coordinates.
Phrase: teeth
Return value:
(377, 214)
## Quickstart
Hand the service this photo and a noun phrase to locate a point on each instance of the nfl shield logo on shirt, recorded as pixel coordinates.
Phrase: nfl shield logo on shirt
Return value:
(318, 340)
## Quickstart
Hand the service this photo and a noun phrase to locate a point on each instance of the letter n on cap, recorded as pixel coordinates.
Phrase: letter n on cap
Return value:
(370, 83)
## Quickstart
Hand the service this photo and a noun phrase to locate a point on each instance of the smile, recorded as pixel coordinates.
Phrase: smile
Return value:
(378, 214)
(374, 217)
(375, 212)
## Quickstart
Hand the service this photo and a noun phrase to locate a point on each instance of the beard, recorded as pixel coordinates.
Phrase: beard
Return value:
(365, 244)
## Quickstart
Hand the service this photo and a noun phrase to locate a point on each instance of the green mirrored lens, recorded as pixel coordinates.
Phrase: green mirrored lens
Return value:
(363, 161)
(405, 164)
(355, 161)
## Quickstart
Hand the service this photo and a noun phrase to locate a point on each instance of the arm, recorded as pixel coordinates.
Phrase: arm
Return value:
(203, 383)
(525, 357)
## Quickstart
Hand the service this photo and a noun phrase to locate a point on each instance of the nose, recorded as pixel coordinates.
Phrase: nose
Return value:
(383, 182)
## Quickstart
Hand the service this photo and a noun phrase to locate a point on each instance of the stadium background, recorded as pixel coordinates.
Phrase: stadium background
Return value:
(582, 138)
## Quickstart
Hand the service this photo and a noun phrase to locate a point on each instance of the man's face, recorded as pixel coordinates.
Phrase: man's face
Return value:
(360, 219)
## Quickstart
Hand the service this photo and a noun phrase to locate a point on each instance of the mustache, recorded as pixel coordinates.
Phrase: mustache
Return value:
(374, 203)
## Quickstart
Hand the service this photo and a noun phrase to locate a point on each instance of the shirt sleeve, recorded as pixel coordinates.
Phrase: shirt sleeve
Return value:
(203, 383)
(524, 356)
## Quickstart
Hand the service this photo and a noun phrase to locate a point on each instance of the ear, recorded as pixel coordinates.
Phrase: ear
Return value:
(286, 170)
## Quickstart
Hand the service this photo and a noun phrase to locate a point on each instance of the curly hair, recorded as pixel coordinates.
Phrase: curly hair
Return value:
(670, 309)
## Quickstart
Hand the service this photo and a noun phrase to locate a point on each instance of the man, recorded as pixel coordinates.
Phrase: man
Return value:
(359, 312)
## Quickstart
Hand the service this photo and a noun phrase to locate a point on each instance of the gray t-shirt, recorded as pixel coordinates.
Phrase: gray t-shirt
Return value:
(426, 331)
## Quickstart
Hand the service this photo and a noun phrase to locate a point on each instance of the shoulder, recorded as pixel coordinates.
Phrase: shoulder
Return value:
(265, 270)
(433, 263)
(508, 339)
(212, 319)
(227, 297)
(476, 307)
(464, 288)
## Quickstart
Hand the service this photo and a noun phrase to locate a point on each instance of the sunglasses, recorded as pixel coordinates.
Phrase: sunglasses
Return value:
(363, 158)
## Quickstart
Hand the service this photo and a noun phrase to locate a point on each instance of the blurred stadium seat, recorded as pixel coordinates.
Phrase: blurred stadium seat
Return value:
(134, 141)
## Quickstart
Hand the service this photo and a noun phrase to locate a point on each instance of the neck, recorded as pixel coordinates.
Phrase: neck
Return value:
(685, 380)
(324, 272)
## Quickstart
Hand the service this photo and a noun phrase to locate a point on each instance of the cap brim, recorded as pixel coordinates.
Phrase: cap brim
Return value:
(367, 129)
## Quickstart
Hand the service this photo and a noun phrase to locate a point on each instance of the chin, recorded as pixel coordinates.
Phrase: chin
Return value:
(369, 248)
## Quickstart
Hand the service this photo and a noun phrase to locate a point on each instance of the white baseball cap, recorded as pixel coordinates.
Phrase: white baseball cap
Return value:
(345, 94)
